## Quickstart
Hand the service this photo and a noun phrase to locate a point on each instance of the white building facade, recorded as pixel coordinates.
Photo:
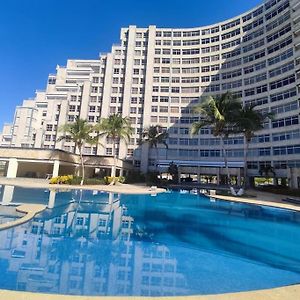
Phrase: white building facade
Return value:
(156, 75)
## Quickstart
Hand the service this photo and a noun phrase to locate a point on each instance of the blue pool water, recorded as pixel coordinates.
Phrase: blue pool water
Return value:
(94, 243)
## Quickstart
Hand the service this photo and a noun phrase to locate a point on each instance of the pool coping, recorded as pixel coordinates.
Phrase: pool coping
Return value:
(283, 293)
(269, 203)
(30, 210)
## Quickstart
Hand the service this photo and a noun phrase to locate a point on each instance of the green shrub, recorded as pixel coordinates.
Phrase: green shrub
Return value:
(135, 177)
(281, 190)
(94, 181)
(75, 180)
(64, 179)
(152, 178)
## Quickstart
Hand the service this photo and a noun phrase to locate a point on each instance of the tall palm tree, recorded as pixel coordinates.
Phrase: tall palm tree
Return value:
(248, 122)
(219, 113)
(153, 136)
(117, 128)
(78, 132)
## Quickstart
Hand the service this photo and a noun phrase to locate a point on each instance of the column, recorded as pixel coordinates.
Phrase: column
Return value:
(239, 181)
(179, 174)
(12, 168)
(51, 201)
(199, 174)
(55, 168)
(8, 193)
(218, 175)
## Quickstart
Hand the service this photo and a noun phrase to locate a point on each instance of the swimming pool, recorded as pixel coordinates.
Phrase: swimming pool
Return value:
(95, 243)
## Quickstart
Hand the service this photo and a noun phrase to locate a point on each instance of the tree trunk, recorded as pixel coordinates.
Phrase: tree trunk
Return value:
(156, 160)
(246, 179)
(225, 160)
(82, 165)
(113, 169)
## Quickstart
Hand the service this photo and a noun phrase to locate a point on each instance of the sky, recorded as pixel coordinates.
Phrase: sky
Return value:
(37, 35)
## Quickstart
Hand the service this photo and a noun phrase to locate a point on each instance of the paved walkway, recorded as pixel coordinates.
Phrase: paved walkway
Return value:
(263, 198)
(44, 183)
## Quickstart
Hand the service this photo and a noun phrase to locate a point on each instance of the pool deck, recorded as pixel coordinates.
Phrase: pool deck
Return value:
(260, 198)
(285, 293)
(44, 183)
(30, 210)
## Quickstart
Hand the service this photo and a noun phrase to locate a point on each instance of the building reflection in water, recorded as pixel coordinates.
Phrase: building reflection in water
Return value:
(86, 248)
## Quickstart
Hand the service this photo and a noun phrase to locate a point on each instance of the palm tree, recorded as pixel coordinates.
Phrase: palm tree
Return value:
(248, 122)
(219, 113)
(153, 136)
(117, 128)
(78, 132)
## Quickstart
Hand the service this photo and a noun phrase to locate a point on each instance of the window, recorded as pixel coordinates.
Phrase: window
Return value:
(294, 120)
(276, 35)
(278, 21)
(278, 10)
(231, 34)
(253, 24)
(282, 82)
(283, 95)
(253, 35)
(51, 80)
(231, 44)
(282, 56)
(286, 150)
(231, 24)
(191, 42)
(280, 45)
(283, 69)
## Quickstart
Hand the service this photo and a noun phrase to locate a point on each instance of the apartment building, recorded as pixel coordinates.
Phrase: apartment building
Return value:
(156, 76)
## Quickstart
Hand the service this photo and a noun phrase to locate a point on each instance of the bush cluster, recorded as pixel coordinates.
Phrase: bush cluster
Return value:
(281, 190)
(75, 180)
(109, 179)
(64, 179)
(135, 177)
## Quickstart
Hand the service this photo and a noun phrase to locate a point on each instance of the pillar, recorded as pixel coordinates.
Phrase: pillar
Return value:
(55, 168)
(218, 175)
(8, 193)
(12, 168)
(239, 178)
(179, 175)
(198, 175)
(121, 172)
(51, 201)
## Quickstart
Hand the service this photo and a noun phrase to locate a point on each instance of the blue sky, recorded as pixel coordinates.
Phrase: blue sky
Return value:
(36, 35)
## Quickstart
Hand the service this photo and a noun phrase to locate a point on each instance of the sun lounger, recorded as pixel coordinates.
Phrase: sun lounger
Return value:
(212, 192)
(194, 191)
(240, 192)
(232, 191)
(153, 188)
(183, 191)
